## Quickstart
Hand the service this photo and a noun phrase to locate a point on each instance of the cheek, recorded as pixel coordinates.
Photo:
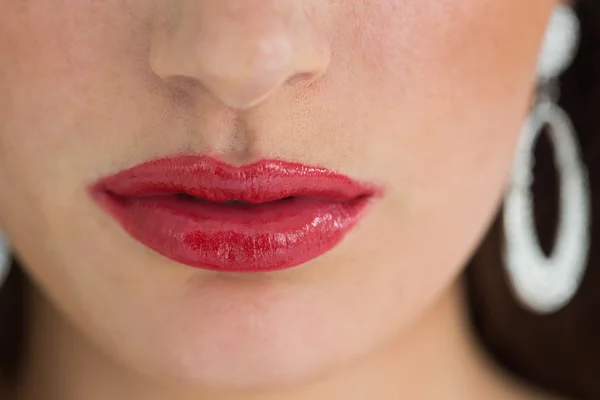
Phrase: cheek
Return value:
(452, 84)
(460, 59)
(447, 89)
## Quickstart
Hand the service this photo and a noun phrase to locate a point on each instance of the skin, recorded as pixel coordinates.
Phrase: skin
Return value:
(424, 98)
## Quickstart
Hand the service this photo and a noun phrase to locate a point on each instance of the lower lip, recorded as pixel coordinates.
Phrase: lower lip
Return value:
(236, 238)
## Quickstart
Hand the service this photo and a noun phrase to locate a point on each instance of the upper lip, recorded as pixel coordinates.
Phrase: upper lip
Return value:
(204, 177)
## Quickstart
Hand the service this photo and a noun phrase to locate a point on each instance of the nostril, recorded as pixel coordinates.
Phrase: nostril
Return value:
(183, 83)
(304, 77)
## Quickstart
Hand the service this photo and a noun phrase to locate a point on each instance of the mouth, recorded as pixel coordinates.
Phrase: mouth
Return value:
(267, 216)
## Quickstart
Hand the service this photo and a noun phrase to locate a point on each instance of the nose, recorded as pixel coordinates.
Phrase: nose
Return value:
(239, 50)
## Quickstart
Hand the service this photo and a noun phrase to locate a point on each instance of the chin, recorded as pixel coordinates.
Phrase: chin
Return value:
(227, 338)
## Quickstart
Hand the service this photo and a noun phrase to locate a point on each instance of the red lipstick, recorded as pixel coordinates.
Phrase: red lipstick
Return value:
(266, 216)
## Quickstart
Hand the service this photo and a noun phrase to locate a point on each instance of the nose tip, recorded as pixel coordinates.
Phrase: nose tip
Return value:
(241, 62)
(243, 73)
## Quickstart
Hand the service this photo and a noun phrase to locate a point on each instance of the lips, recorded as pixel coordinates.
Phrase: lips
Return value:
(262, 217)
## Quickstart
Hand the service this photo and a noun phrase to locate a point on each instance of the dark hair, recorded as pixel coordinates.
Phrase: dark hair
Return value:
(559, 352)
(12, 324)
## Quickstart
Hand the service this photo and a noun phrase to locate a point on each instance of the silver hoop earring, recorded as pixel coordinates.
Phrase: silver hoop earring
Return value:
(4, 260)
(546, 284)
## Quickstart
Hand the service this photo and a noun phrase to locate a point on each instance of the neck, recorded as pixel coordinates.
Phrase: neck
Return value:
(438, 358)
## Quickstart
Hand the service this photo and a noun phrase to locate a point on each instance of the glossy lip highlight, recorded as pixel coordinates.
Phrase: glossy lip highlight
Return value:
(266, 216)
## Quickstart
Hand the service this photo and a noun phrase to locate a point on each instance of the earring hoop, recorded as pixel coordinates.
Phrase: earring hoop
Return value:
(543, 283)
(546, 284)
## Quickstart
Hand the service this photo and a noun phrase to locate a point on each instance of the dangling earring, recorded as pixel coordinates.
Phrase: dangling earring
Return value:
(5, 260)
(546, 284)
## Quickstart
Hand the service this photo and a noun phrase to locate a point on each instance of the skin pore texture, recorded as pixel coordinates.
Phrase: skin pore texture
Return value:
(423, 98)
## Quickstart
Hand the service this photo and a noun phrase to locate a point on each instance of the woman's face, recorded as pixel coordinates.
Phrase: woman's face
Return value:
(422, 98)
